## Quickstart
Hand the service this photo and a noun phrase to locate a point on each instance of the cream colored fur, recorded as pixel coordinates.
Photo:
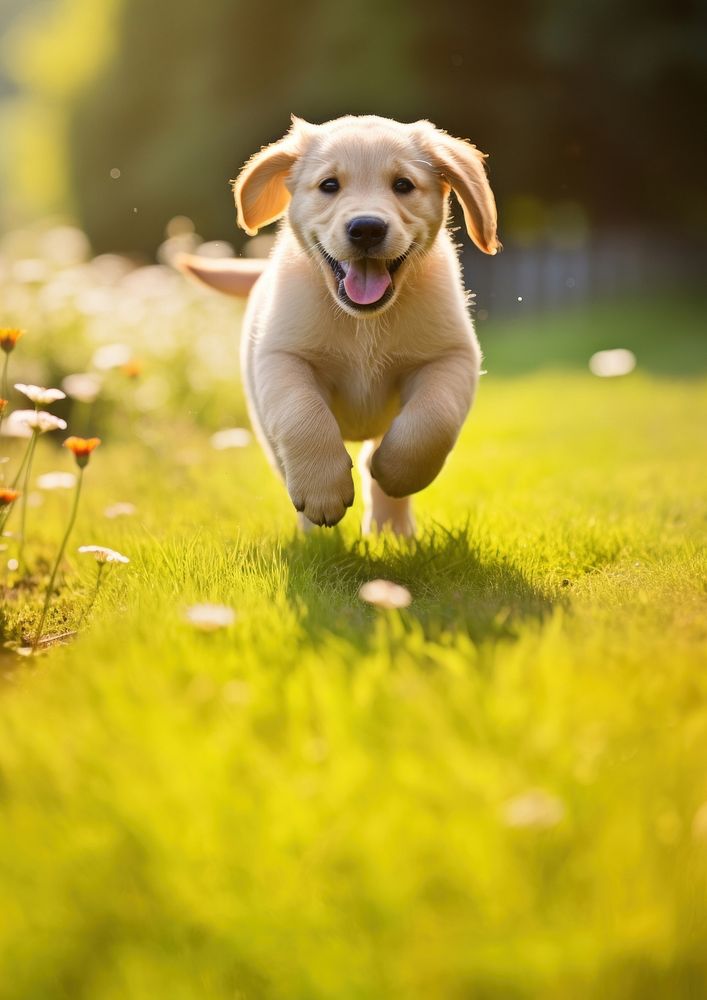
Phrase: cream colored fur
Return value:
(319, 371)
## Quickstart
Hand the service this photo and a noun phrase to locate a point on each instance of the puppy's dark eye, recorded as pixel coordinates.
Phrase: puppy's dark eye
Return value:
(403, 186)
(329, 186)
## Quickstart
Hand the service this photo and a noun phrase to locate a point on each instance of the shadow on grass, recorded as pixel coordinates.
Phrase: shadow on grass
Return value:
(456, 584)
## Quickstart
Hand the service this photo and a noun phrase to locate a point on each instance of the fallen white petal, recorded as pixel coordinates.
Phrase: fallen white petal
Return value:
(231, 437)
(610, 364)
(120, 509)
(535, 808)
(210, 617)
(385, 594)
(699, 823)
(56, 481)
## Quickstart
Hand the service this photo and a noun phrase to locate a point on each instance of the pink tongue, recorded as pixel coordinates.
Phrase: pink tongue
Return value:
(366, 280)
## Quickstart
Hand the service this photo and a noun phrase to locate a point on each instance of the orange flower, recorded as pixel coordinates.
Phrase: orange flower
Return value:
(81, 448)
(9, 337)
(132, 368)
(3, 404)
(8, 496)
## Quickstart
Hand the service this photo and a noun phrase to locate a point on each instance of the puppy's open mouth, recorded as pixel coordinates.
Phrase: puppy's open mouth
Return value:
(364, 282)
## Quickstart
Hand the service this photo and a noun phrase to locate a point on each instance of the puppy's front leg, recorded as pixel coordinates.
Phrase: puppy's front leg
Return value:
(305, 437)
(436, 399)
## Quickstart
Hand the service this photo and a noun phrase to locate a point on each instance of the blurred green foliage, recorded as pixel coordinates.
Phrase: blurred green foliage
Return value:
(597, 103)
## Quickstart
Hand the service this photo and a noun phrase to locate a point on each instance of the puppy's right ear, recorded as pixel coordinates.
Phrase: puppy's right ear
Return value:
(259, 190)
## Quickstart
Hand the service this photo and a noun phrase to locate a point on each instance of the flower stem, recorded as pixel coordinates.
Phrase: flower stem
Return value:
(26, 455)
(89, 607)
(8, 510)
(52, 578)
(23, 499)
(4, 390)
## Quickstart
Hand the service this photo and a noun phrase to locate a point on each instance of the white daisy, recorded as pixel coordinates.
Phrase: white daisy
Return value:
(39, 395)
(103, 554)
(83, 386)
(38, 420)
(111, 356)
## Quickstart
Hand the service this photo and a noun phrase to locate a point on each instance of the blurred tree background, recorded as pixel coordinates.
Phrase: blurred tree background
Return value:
(122, 114)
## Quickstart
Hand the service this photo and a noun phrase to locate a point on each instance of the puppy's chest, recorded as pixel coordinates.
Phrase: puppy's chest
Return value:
(363, 400)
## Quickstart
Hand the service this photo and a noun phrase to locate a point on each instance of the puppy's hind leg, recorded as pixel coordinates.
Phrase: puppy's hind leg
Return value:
(381, 512)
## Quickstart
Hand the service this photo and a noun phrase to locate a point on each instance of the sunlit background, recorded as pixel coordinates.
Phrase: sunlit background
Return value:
(122, 123)
(127, 119)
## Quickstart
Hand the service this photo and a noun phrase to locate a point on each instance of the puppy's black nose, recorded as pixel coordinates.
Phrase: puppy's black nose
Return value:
(366, 231)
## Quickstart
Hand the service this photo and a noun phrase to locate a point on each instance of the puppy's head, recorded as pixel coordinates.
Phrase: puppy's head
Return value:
(365, 197)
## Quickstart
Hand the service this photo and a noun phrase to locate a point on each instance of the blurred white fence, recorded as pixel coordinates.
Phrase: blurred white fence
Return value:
(545, 277)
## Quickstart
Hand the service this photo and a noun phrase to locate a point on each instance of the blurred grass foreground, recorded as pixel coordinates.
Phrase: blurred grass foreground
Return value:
(228, 776)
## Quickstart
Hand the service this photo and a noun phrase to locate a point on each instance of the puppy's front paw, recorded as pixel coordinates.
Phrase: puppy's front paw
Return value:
(323, 492)
(402, 468)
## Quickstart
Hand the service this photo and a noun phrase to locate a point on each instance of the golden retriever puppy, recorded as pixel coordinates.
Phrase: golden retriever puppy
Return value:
(357, 328)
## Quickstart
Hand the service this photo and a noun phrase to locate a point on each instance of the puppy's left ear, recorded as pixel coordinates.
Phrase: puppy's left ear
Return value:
(259, 190)
(462, 166)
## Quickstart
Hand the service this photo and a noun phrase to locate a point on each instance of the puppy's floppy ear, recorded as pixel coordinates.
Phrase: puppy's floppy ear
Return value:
(259, 190)
(462, 165)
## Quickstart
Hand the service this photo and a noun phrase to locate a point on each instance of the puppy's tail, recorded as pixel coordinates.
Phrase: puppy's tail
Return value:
(230, 276)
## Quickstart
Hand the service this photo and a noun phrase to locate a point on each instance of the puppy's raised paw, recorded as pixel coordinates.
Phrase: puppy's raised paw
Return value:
(401, 471)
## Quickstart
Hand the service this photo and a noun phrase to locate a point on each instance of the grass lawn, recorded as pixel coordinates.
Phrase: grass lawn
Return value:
(500, 792)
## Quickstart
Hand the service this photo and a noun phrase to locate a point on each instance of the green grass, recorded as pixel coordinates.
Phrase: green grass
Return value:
(495, 793)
